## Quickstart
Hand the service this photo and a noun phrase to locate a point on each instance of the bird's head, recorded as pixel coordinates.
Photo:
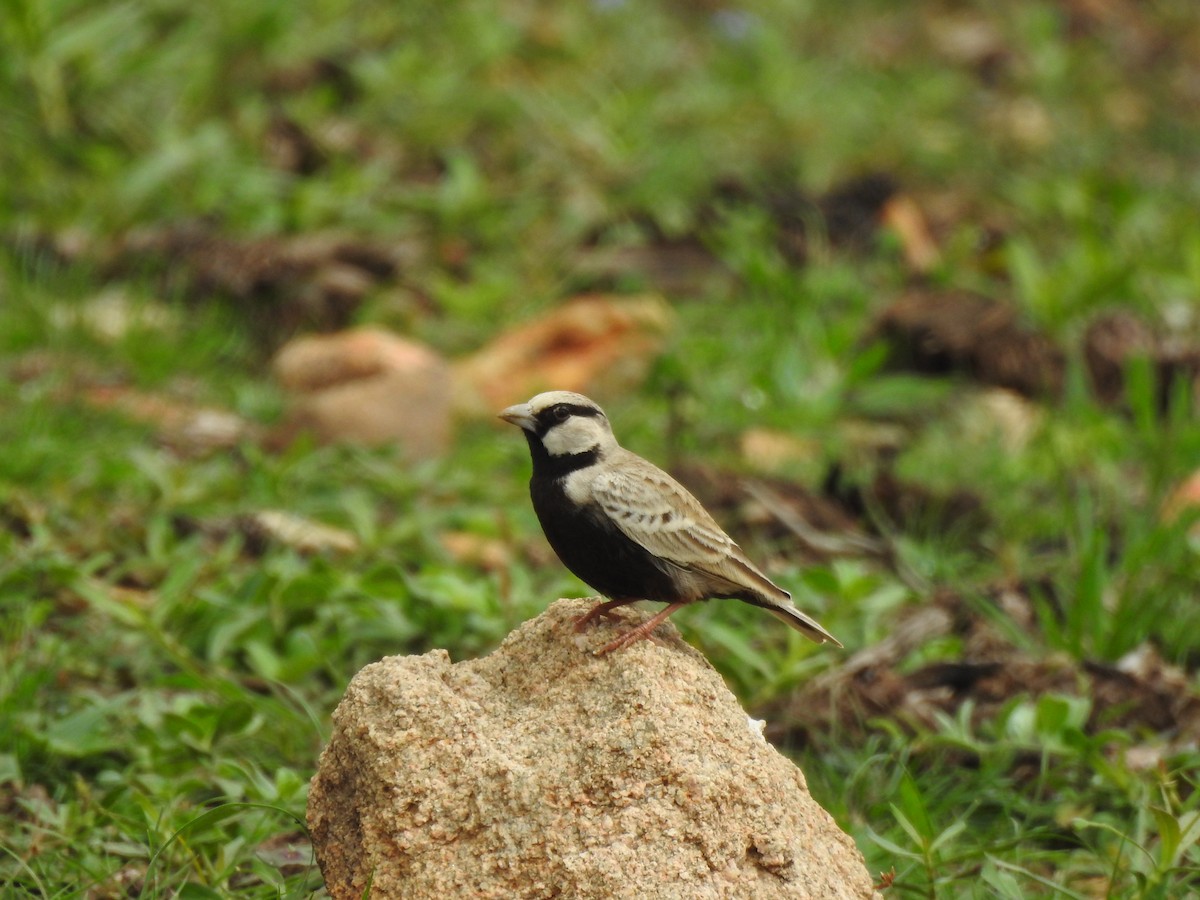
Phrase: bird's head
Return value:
(562, 423)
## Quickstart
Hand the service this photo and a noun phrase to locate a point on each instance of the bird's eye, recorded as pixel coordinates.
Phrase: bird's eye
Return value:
(561, 413)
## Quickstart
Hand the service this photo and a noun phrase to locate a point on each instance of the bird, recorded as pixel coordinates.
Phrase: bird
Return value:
(628, 529)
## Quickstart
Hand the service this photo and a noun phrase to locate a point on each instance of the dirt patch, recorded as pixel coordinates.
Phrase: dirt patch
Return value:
(775, 510)
(321, 72)
(314, 281)
(1139, 694)
(846, 217)
(843, 519)
(960, 333)
(893, 503)
(283, 284)
(1116, 341)
(957, 332)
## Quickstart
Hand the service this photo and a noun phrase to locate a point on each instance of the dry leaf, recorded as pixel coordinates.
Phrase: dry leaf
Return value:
(903, 216)
(591, 344)
(184, 428)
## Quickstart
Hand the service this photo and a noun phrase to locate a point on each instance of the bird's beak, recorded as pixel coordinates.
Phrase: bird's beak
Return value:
(520, 415)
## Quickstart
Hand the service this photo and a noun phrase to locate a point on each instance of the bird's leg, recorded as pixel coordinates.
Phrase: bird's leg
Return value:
(601, 610)
(641, 632)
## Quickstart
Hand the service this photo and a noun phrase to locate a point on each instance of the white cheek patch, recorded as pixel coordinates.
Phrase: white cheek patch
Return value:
(578, 486)
(576, 435)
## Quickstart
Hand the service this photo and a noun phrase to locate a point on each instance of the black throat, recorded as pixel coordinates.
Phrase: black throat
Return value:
(555, 467)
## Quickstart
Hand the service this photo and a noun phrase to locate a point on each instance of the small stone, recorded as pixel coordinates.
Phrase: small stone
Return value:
(467, 548)
(179, 425)
(318, 361)
(999, 415)
(368, 387)
(113, 314)
(772, 451)
(302, 535)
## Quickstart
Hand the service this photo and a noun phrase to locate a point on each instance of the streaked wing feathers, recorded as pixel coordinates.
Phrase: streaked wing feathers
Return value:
(657, 512)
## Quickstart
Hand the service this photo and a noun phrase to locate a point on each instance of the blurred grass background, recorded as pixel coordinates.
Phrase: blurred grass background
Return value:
(164, 695)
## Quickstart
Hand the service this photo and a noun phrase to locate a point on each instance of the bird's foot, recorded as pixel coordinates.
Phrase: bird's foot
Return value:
(642, 632)
(601, 611)
(625, 640)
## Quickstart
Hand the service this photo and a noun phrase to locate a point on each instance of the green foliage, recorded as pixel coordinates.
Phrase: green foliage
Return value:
(166, 686)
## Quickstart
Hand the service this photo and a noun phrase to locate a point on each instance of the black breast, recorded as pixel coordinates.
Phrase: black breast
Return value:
(596, 550)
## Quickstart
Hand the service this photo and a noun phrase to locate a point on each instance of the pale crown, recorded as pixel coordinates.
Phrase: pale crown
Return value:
(578, 434)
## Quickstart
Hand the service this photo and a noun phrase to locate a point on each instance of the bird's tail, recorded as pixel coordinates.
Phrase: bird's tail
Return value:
(807, 625)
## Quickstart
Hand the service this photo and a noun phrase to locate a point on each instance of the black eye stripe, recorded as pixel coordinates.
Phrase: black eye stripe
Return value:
(574, 409)
(547, 419)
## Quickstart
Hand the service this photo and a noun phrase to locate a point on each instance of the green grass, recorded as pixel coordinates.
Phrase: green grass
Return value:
(165, 690)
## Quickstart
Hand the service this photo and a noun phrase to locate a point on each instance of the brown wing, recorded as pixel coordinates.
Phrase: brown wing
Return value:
(654, 510)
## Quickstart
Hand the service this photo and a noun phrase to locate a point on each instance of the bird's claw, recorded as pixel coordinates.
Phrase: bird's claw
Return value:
(605, 610)
(645, 630)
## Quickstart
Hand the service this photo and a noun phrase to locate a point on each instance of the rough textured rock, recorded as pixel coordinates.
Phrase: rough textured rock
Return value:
(544, 771)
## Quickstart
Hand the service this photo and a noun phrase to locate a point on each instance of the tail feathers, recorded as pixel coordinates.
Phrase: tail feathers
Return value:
(746, 583)
(807, 625)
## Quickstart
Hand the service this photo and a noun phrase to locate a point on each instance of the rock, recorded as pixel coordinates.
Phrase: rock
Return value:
(469, 549)
(544, 771)
(305, 536)
(113, 314)
(367, 386)
(320, 361)
(971, 40)
(998, 415)
(592, 344)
